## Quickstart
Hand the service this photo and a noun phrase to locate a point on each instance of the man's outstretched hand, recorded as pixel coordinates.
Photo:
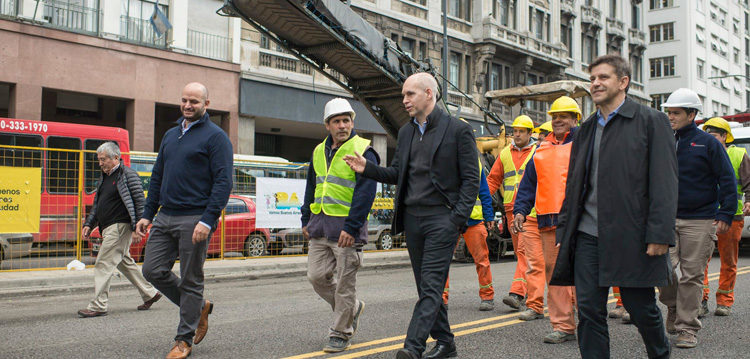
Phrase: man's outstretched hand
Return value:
(357, 163)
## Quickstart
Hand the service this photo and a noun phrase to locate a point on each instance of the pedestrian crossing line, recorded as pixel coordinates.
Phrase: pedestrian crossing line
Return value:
(400, 338)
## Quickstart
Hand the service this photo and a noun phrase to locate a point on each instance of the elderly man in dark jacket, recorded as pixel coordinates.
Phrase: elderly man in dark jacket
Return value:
(618, 217)
(118, 204)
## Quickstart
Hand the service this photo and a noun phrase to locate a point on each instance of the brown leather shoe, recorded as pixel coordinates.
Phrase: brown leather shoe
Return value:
(180, 350)
(147, 304)
(202, 329)
(85, 313)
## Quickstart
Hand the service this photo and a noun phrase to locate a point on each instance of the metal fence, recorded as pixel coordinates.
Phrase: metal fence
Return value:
(209, 45)
(8, 8)
(70, 16)
(140, 31)
(70, 177)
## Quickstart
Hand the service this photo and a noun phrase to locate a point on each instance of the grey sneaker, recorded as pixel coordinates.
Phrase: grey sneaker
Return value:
(355, 321)
(558, 337)
(530, 314)
(671, 318)
(617, 312)
(723, 310)
(513, 300)
(487, 305)
(626, 318)
(336, 344)
(703, 311)
(686, 340)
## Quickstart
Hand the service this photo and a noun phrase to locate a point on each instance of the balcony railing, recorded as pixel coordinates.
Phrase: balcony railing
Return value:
(591, 15)
(209, 45)
(8, 8)
(140, 31)
(67, 16)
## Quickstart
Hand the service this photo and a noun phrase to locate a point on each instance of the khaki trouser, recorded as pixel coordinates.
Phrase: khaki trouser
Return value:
(332, 271)
(694, 244)
(115, 254)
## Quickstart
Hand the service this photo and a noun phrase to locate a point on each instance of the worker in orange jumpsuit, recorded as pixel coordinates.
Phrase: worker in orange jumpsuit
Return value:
(728, 242)
(543, 188)
(475, 238)
(505, 175)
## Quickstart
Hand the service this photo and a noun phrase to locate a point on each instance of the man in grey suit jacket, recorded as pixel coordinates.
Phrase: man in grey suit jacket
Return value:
(437, 172)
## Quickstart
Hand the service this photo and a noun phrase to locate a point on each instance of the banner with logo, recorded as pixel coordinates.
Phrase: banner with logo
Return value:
(278, 202)
(20, 199)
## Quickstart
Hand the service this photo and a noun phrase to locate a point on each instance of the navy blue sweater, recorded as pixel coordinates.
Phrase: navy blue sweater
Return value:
(484, 195)
(706, 177)
(192, 174)
(364, 192)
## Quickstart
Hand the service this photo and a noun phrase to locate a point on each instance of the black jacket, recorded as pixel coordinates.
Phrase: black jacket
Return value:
(454, 168)
(637, 198)
(131, 192)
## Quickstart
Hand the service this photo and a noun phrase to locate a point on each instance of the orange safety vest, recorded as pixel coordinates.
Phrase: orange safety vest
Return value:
(551, 164)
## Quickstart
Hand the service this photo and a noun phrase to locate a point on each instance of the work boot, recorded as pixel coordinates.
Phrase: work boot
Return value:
(723, 311)
(703, 311)
(617, 312)
(530, 314)
(558, 337)
(487, 305)
(513, 300)
(336, 344)
(686, 340)
(626, 318)
(671, 318)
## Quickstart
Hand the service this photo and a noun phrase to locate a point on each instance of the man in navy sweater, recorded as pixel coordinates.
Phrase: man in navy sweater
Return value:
(706, 203)
(190, 185)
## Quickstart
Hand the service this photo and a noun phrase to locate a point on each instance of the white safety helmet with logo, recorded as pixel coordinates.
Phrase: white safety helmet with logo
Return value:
(338, 106)
(685, 98)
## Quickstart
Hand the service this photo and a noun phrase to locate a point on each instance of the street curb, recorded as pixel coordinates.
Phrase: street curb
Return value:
(219, 276)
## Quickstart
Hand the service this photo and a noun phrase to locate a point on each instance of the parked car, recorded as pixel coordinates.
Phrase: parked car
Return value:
(240, 233)
(15, 245)
(378, 234)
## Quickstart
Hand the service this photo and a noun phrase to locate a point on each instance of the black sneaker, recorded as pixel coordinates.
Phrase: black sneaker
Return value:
(703, 311)
(336, 344)
(355, 321)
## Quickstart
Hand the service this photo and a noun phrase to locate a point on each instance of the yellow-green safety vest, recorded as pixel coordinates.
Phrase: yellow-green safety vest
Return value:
(334, 184)
(512, 178)
(736, 154)
(476, 212)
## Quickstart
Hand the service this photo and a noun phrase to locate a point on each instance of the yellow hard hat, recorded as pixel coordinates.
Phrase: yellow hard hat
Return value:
(523, 121)
(721, 123)
(547, 126)
(565, 104)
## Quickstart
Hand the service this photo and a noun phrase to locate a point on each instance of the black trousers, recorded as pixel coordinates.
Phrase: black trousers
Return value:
(431, 241)
(593, 336)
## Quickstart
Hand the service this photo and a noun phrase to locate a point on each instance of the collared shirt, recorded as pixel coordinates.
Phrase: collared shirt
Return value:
(185, 129)
(421, 127)
(601, 119)
(112, 170)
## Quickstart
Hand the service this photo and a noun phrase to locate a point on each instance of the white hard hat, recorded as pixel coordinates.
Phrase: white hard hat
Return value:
(338, 106)
(683, 97)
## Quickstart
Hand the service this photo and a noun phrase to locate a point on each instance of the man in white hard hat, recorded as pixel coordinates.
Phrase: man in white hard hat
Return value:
(334, 220)
(706, 204)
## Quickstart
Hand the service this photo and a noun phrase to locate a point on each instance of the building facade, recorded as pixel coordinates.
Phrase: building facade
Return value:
(702, 45)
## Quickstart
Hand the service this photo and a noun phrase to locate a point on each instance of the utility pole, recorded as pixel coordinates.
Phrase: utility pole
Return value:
(445, 50)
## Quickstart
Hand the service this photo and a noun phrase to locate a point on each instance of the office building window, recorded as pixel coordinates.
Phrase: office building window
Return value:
(662, 67)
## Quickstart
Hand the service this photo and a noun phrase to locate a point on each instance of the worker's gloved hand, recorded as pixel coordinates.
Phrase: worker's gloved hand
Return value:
(517, 225)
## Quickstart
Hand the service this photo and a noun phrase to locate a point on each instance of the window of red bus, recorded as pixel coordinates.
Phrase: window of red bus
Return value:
(20, 157)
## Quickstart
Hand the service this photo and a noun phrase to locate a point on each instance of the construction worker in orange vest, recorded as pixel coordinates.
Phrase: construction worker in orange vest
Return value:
(505, 175)
(543, 188)
(728, 242)
(475, 238)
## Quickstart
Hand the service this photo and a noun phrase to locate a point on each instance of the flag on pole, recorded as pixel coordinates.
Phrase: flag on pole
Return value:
(159, 22)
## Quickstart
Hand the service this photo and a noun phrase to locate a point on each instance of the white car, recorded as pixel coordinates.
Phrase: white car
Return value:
(15, 245)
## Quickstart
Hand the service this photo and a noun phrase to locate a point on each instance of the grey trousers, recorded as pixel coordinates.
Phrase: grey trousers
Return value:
(694, 244)
(170, 239)
(115, 254)
(332, 271)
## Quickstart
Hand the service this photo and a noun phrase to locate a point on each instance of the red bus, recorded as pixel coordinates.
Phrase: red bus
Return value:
(60, 169)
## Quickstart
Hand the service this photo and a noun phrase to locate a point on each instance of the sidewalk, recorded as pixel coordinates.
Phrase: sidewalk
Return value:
(34, 283)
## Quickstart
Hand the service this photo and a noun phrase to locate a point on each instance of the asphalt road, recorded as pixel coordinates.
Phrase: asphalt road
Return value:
(284, 318)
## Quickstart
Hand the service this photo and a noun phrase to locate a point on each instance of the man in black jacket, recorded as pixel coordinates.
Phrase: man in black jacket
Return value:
(190, 185)
(618, 217)
(437, 172)
(118, 204)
